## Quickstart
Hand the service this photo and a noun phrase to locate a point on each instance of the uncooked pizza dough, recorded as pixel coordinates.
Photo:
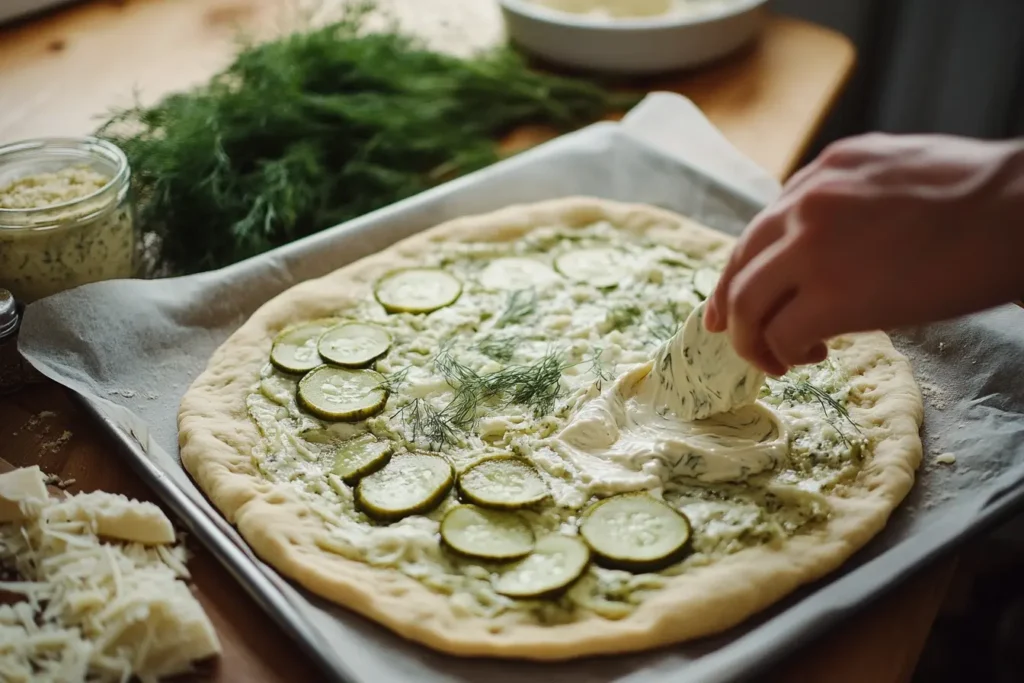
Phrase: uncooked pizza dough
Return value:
(522, 347)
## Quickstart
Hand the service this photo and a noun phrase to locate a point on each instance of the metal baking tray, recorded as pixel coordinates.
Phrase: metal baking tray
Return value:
(129, 349)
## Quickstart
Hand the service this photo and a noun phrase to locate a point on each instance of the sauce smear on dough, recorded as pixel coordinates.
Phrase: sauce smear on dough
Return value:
(691, 412)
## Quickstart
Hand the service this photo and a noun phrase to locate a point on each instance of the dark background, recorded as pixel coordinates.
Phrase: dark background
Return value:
(928, 66)
(957, 67)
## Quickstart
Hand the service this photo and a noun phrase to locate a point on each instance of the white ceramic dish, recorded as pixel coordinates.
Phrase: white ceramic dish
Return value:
(638, 46)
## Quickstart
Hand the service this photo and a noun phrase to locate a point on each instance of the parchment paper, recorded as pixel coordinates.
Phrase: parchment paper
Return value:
(131, 348)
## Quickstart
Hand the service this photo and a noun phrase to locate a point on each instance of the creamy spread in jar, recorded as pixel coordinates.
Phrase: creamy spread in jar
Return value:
(66, 217)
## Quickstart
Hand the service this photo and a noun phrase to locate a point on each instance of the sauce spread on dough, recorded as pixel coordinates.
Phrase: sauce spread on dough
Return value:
(746, 469)
(690, 413)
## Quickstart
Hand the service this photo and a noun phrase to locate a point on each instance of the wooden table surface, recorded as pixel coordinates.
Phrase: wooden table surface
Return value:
(60, 71)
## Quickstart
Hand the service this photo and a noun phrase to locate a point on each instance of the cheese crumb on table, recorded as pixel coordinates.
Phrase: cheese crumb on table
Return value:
(946, 459)
(20, 490)
(94, 610)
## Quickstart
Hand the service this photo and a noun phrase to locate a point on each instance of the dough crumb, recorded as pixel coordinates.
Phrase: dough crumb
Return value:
(946, 459)
(934, 394)
(54, 480)
(55, 445)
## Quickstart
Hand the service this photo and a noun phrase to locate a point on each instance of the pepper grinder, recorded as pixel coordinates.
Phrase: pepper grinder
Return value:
(12, 366)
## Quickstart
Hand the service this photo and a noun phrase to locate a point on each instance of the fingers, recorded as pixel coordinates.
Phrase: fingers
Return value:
(763, 287)
(817, 354)
(765, 230)
(795, 334)
(770, 225)
(841, 155)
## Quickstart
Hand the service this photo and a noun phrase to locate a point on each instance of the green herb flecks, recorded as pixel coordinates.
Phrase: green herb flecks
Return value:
(833, 410)
(500, 349)
(318, 127)
(662, 325)
(424, 420)
(622, 317)
(598, 366)
(395, 380)
(521, 304)
(535, 386)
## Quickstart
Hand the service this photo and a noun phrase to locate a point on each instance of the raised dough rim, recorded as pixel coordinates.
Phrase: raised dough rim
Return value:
(216, 437)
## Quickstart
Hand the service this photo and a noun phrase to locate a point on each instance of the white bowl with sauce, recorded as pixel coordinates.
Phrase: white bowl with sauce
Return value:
(632, 37)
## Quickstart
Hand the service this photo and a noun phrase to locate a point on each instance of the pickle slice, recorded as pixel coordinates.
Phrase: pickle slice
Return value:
(294, 349)
(635, 532)
(486, 534)
(556, 563)
(341, 394)
(353, 345)
(514, 273)
(504, 483)
(600, 266)
(417, 290)
(359, 457)
(704, 281)
(408, 485)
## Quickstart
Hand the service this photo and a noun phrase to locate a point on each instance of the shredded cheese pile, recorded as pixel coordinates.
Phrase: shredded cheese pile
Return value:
(103, 583)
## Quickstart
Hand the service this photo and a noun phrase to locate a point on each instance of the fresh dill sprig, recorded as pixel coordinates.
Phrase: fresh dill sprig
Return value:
(662, 325)
(461, 410)
(424, 420)
(455, 372)
(535, 386)
(832, 409)
(394, 381)
(501, 349)
(519, 306)
(621, 317)
(317, 127)
(597, 365)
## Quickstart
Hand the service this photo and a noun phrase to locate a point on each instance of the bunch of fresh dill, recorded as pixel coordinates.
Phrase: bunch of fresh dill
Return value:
(321, 126)
(536, 386)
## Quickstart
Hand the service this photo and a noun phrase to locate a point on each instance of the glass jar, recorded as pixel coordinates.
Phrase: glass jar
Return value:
(66, 242)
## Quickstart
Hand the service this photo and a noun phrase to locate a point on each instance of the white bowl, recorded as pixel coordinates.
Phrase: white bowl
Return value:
(638, 46)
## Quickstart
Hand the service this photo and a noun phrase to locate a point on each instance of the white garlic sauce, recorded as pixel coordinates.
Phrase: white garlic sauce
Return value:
(691, 412)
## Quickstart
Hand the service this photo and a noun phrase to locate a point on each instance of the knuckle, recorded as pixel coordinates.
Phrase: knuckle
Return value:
(818, 206)
(823, 288)
(872, 138)
(837, 154)
(785, 344)
(853, 151)
(742, 302)
(746, 346)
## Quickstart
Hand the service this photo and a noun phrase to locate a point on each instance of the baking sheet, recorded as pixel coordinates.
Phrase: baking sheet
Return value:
(131, 348)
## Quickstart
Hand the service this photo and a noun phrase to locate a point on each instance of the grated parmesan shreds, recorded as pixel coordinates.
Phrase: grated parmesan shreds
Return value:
(95, 610)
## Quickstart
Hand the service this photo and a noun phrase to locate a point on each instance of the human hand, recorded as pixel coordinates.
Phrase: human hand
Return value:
(880, 231)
